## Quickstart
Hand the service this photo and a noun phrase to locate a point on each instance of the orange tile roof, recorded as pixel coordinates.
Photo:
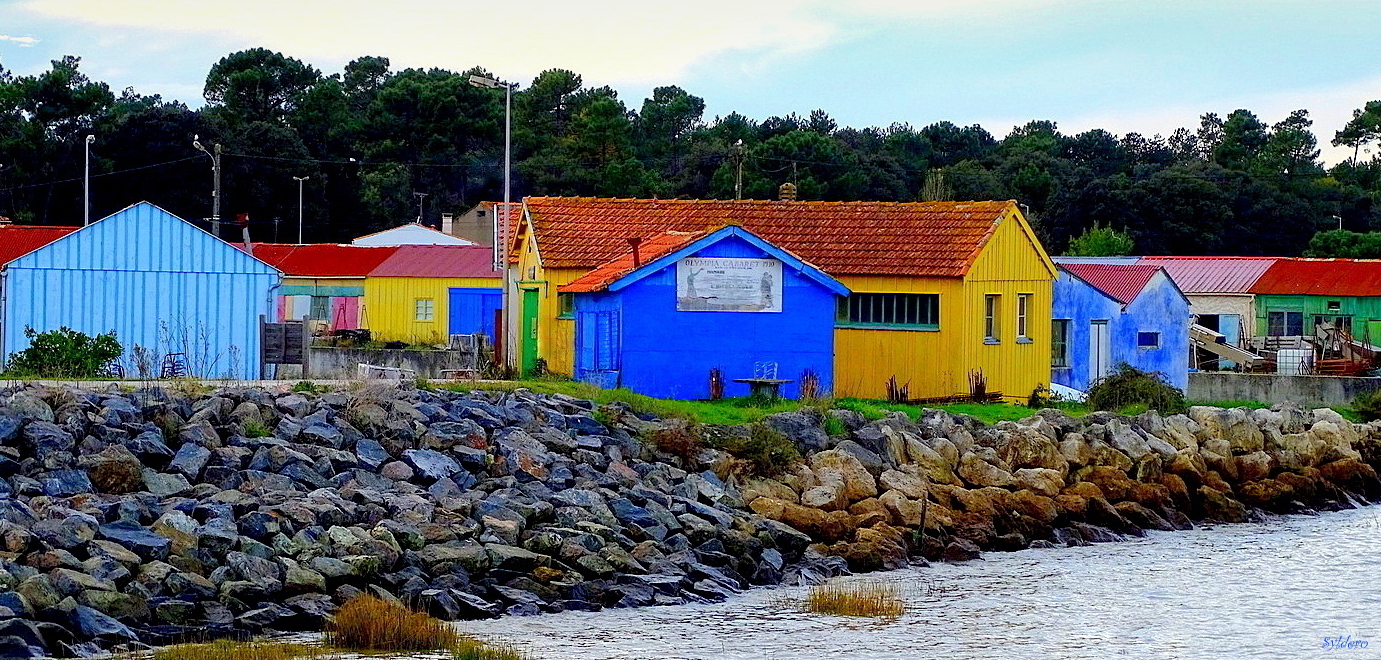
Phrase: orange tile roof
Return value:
(929, 239)
(19, 240)
(649, 250)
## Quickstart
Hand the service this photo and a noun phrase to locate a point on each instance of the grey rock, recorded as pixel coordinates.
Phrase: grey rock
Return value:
(430, 465)
(190, 459)
(65, 483)
(137, 539)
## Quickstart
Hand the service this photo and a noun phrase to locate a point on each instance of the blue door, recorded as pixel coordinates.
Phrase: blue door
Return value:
(1230, 325)
(598, 348)
(472, 311)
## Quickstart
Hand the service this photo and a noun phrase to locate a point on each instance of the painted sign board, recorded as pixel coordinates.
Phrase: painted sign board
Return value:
(724, 284)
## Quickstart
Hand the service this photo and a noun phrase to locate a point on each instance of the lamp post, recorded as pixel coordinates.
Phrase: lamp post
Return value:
(86, 183)
(502, 216)
(215, 154)
(299, 180)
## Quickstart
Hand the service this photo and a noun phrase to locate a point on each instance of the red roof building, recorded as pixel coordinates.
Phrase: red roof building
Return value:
(1321, 277)
(1120, 282)
(322, 259)
(19, 240)
(438, 261)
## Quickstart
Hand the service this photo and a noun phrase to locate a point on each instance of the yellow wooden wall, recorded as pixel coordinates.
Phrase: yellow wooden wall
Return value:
(389, 308)
(937, 363)
(555, 336)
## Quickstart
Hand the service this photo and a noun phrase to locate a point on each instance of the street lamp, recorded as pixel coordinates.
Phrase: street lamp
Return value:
(299, 180)
(502, 216)
(215, 155)
(86, 183)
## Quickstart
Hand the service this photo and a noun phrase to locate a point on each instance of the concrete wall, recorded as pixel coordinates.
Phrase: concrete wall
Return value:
(330, 362)
(1275, 388)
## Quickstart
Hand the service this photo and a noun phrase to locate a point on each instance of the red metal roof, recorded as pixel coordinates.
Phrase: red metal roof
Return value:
(1120, 281)
(649, 250)
(438, 261)
(1321, 277)
(1213, 274)
(19, 240)
(931, 239)
(321, 259)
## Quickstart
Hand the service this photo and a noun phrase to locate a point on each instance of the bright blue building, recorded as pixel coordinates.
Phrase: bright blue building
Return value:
(162, 284)
(1106, 314)
(658, 319)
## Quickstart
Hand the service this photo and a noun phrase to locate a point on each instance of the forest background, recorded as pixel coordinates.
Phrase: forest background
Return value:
(377, 145)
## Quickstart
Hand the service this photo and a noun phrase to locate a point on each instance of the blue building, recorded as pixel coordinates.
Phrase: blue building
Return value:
(161, 284)
(658, 319)
(1106, 314)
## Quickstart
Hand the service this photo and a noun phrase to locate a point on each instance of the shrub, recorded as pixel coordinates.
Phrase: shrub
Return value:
(1368, 405)
(766, 450)
(1128, 386)
(256, 429)
(678, 437)
(64, 353)
(367, 623)
(872, 599)
(305, 386)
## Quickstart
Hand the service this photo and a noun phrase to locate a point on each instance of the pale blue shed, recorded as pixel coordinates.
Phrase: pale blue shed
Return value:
(163, 285)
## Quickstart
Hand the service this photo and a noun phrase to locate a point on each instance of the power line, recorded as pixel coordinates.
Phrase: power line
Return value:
(96, 176)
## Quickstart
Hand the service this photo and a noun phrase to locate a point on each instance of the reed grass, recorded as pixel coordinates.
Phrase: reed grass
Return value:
(866, 599)
(367, 623)
(227, 650)
(473, 649)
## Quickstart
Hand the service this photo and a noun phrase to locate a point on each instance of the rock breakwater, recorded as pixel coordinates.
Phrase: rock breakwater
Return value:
(144, 517)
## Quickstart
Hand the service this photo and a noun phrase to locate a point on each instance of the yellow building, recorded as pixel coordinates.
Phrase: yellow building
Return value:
(943, 293)
(424, 293)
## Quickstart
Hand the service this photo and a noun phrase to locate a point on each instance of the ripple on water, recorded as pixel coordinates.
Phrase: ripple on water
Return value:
(1273, 589)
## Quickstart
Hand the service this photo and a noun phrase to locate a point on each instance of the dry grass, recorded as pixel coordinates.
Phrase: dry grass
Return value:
(473, 649)
(367, 623)
(228, 650)
(871, 599)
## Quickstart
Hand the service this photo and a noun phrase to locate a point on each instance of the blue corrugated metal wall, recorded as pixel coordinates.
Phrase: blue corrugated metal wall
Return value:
(1160, 308)
(472, 311)
(157, 281)
(662, 352)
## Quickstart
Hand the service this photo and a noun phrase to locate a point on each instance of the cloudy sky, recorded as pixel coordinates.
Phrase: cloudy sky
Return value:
(1124, 65)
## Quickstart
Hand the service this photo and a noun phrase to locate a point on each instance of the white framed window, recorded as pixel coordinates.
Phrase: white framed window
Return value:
(1023, 316)
(991, 303)
(424, 309)
(1148, 340)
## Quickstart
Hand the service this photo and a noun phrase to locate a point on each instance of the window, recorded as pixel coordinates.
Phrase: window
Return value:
(1023, 312)
(321, 308)
(565, 305)
(1148, 340)
(990, 307)
(424, 309)
(1343, 323)
(1284, 324)
(1059, 343)
(1335, 305)
(919, 311)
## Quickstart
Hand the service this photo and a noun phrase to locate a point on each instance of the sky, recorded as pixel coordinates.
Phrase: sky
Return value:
(1146, 66)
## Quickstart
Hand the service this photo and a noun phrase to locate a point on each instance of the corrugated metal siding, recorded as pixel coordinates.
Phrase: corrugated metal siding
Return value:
(1213, 274)
(389, 306)
(1121, 281)
(438, 261)
(1362, 309)
(158, 282)
(1321, 277)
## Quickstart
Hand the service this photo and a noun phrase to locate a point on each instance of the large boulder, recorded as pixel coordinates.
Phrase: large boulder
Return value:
(857, 483)
(980, 473)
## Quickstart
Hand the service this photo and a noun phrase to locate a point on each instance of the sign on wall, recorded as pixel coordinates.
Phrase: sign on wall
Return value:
(723, 284)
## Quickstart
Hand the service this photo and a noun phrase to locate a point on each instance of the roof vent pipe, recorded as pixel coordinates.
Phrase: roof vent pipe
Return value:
(634, 242)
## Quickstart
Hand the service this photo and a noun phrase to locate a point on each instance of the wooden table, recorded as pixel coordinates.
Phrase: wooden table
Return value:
(765, 388)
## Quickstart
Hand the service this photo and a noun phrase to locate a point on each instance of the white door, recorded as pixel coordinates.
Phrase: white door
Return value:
(1100, 353)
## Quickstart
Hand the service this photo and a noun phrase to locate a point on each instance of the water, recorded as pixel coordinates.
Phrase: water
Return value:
(1264, 590)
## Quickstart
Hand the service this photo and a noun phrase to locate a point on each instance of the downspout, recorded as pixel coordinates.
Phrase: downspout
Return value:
(4, 307)
(272, 313)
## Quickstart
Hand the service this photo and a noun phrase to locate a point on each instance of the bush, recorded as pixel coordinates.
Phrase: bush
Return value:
(65, 353)
(678, 437)
(367, 623)
(1368, 405)
(766, 450)
(1128, 386)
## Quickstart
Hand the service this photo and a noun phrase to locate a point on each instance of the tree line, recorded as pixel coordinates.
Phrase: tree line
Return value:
(375, 143)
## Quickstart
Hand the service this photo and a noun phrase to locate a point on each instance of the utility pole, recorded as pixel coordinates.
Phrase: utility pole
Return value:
(299, 180)
(420, 197)
(215, 155)
(86, 183)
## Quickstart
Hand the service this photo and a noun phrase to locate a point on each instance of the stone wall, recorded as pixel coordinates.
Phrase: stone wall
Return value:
(1277, 389)
(329, 362)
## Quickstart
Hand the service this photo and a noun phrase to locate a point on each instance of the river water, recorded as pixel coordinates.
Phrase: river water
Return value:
(1274, 589)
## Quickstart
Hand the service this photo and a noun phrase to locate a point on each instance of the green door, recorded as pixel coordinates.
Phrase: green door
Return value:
(529, 328)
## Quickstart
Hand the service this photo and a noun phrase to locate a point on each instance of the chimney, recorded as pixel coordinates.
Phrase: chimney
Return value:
(787, 193)
(5, 221)
(637, 258)
(448, 223)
